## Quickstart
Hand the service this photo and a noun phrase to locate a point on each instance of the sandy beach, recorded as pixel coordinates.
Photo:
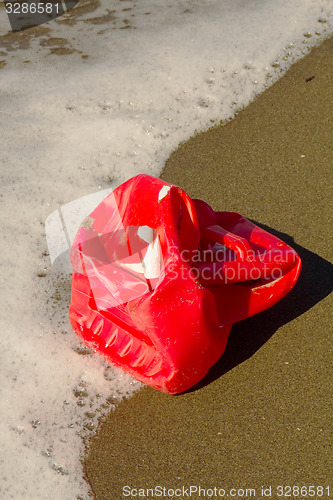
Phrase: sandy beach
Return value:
(262, 416)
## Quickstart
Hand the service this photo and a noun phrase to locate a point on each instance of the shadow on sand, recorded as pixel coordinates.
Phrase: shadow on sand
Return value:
(246, 337)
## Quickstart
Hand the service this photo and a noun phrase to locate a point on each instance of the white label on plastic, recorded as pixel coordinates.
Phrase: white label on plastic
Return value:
(164, 191)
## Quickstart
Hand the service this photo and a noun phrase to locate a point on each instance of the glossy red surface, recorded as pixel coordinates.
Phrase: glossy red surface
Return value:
(159, 279)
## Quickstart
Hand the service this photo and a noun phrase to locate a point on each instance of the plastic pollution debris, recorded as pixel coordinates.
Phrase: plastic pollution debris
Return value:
(159, 279)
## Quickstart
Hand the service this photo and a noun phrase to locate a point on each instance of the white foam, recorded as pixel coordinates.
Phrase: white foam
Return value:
(70, 127)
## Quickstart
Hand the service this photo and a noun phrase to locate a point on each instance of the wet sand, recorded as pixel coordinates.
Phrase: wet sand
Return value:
(262, 416)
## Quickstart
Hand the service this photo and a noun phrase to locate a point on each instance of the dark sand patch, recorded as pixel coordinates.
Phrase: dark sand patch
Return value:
(106, 18)
(21, 39)
(262, 417)
(62, 51)
(50, 42)
(57, 46)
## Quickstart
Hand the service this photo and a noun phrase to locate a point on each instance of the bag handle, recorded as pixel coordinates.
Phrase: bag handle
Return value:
(236, 243)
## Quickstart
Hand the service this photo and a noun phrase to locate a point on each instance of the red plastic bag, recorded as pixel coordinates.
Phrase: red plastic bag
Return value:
(159, 279)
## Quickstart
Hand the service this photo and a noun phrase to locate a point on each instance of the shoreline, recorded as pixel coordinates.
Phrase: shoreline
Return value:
(261, 417)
